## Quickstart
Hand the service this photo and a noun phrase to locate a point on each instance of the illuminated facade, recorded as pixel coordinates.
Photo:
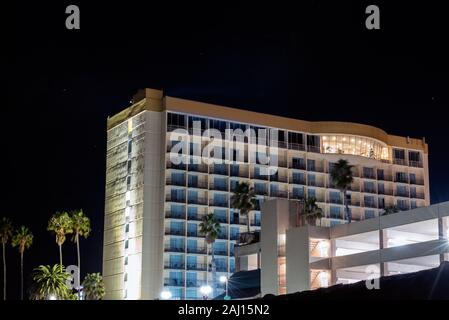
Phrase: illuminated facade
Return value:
(153, 205)
(294, 258)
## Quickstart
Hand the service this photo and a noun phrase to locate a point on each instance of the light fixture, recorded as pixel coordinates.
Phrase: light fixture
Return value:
(324, 138)
(206, 290)
(223, 279)
(166, 295)
(334, 138)
(52, 297)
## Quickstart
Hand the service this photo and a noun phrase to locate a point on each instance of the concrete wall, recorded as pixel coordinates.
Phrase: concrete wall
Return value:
(297, 253)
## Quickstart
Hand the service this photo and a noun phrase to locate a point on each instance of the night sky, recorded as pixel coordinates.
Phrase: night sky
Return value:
(317, 62)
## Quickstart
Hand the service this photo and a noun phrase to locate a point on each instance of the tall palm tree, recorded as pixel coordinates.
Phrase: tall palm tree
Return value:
(311, 211)
(50, 282)
(390, 210)
(80, 227)
(210, 228)
(61, 225)
(244, 199)
(23, 239)
(93, 287)
(5, 233)
(342, 177)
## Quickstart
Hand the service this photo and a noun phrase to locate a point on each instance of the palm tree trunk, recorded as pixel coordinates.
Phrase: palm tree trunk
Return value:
(248, 225)
(4, 272)
(79, 259)
(214, 269)
(60, 254)
(21, 275)
(348, 214)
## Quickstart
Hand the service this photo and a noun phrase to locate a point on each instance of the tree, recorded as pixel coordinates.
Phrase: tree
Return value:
(342, 178)
(390, 210)
(22, 239)
(50, 283)
(80, 227)
(61, 225)
(93, 287)
(311, 211)
(210, 228)
(244, 199)
(6, 229)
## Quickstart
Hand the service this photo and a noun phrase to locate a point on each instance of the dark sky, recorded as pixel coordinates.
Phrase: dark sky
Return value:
(316, 62)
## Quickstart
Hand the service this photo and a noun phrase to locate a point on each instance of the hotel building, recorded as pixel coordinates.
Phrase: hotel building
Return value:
(153, 206)
(294, 258)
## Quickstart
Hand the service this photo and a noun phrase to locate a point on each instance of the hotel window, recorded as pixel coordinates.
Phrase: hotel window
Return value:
(259, 135)
(402, 177)
(129, 166)
(130, 146)
(369, 214)
(311, 193)
(311, 165)
(399, 156)
(278, 138)
(380, 174)
(313, 143)
(197, 122)
(298, 163)
(126, 260)
(296, 141)
(175, 121)
(125, 278)
(402, 204)
(335, 212)
(126, 244)
(369, 201)
(128, 183)
(127, 228)
(368, 173)
(218, 125)
(369, 186)
(414, 158)
(298, 178)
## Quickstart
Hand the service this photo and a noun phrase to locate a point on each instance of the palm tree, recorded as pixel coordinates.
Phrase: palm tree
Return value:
(244, 199)
(80, 227)
(210, 228)
(93, 287)
(312, 211)
(51, 283)
(23, 239)
(342, 177)
(5, 233)
(390, 209)
(61, 224)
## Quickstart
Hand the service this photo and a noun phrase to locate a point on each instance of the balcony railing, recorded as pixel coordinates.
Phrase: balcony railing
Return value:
(296, 146)
(279, 193)
(334, 201)
(218, 203)
(174, 249)
(417, 164)
(197, 266)
(296, 196)
(315, 149)
(219, 187)
(222, 268)
(193, 233)
(369, 175)
(370, 205)
(222, 236)
(175, 182)
(171, 165)
(419, 182)
(175, 232)
(174, 282)
(315, 168)
(402, 194)
(315, 183)
(401, 179)
(298, 181)
(175, 215)
(221, 252)
(195, 283)
(175, 198)
(197, 168)
(385, 177)
(234, 236)
(219, 170)
(297, 165)
(174, 265)
(199, 200)
(401, 162)
(387, 192)
(369, 190)
(197, 184)
(198, 250)
(261, 192)
(195, 216)
(259, 176)
(255, 222)
(278, 178)
(418, 195)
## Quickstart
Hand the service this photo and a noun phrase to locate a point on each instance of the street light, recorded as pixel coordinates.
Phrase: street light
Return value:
(166, 295)
(205, 291)
(224, 279)
(52, 297)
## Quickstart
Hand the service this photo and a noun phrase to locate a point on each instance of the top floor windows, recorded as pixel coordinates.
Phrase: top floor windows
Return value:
(414, 159)
(197, 125)
(399, 156)
(360, 146)
(218, 125)
(175, 121)
(313, 143)
(296, 141)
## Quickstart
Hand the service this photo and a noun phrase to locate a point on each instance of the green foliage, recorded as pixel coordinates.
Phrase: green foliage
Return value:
(50, 281)
(23, 239)
(244, 199)
(80, 224)
(93, 287)
(6, 230)
(341, 175)
(210, 228)
(61, 225)
(390, 210)
(311, 210)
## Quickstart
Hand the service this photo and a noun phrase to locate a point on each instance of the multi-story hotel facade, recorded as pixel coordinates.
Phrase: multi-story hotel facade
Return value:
(154, 205)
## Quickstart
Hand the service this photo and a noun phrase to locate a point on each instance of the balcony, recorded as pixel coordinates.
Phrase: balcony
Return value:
(198, 168)
(255, 222)
(174, 265)
(279, 193)
(401, 162)
(239, 173)
(404, 194)
(385, 177)
(171, 198)
(416, 164)
(197, 184)
(199, 200)
(218, 203)
(354, 203)
(197, 250)
(221, 252)
(195, 283)
(334, 201)
(315, 168)
(175, 232)
(219, 170)
(314, 183)
(175, 214)
(369, 190)
(298, 181)
(370, 204)
(315, 149)
(195, 216)
(369, 175)
(278, 178)
(197, 266)
(174, 249)
(194, 233)
(415, 181)
(240, 221)
(296, 146)
(218, 187)
(174, 282)
(173, 127)
(297, 165)
(175, 182)
(235, 236)
(417, 195)
(181, 166)
(296, 196)
(387, 192)
(221, 268)
(401, 179)
(260, 177)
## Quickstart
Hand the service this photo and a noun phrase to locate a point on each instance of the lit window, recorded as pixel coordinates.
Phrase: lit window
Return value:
(128, 196)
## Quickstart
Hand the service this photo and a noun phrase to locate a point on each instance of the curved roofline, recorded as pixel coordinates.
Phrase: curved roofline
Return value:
(154, 100)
